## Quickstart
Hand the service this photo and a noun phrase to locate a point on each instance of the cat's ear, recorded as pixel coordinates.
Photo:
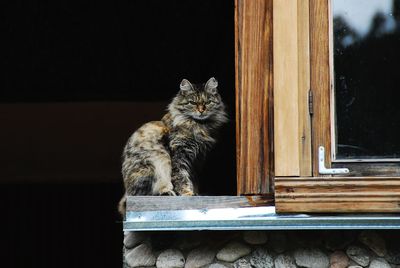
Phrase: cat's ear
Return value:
(185, 86)
(211, 85)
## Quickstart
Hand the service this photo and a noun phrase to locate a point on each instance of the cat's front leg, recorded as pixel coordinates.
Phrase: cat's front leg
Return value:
(183, 185)
(182, 158)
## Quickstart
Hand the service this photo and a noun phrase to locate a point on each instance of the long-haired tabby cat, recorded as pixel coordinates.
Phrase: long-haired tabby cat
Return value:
(158, 158)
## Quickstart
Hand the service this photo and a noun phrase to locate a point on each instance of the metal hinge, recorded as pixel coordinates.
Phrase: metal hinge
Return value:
(321, 164)
(310, 102)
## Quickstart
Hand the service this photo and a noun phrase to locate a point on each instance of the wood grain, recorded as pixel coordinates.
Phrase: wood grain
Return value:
(320, 79)
(286, 90)
(154, 203)
(370, 169)
(254, 116)
(337, 194)
(303, 28)
(292, 127)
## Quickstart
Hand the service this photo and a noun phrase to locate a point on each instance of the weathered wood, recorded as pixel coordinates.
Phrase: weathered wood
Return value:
(370, 169)
(292, 127)
(354, 206)
(337, 194)
(154, 203)
(320, 80)
(254, 115)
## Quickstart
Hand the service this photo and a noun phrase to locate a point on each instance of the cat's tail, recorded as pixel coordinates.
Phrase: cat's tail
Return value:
(122, 206)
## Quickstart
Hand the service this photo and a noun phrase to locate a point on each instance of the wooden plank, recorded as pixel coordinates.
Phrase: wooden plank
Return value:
(303, 28)
(286, 120)
(320, 79)
(343, 207)
(254, 115)
(156, 203)
(337, 194)
(291, 85)
(342, 197)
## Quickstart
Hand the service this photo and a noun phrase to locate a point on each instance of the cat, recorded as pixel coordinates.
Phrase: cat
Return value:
(159, 157)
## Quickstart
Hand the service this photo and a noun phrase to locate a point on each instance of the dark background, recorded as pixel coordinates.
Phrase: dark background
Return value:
(79, 78)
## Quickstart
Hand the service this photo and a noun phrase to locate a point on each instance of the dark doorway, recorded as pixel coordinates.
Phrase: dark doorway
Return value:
(80, 77)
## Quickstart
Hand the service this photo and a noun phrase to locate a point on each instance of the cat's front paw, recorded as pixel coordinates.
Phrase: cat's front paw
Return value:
(168, 193)
(187, 193)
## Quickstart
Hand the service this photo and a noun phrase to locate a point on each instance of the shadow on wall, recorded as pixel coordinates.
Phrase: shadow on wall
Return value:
(69, 142)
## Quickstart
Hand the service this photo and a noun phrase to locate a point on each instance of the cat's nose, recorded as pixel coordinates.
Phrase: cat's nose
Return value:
(201, 108)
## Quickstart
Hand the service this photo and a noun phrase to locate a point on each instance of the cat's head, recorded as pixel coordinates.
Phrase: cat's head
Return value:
(200, 102)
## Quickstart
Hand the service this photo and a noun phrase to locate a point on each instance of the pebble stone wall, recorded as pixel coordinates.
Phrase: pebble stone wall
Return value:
(263, 249)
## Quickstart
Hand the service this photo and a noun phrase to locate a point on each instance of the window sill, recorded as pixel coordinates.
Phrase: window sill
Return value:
(238, 217)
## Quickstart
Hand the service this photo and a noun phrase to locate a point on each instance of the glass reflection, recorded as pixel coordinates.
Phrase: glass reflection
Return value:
(367, 78)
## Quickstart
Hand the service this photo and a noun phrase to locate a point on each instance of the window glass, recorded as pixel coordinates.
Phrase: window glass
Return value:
(366, 56)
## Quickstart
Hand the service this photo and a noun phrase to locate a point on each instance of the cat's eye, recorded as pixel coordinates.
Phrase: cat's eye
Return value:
(192, 102)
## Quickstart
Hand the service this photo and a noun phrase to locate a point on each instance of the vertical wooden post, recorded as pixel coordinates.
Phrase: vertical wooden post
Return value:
(292, 124)
(253, 41)
(320, 79)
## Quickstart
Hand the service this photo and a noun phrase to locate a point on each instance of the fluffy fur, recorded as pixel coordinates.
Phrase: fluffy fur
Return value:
(158, 158)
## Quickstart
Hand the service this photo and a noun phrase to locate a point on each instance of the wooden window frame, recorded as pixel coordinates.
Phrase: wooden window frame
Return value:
(366, 192)
(272, 75)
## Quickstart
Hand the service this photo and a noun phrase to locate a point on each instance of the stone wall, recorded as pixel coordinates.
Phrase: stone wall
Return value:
(263, 249)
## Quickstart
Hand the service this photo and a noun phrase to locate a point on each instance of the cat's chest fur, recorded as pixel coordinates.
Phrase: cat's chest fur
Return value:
(188, 133)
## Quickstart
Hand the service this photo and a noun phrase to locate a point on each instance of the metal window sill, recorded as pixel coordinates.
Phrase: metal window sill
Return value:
(252, 218)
